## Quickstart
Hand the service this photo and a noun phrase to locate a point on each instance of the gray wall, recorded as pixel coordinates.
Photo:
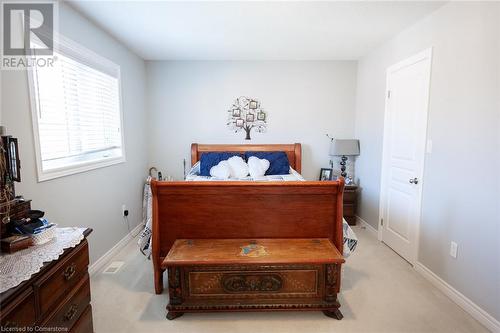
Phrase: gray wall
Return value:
(188, 100)
(93, 198)
(461, 181)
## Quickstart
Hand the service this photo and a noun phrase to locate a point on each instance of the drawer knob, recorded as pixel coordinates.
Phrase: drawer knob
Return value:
(70, 271)
(71, 312)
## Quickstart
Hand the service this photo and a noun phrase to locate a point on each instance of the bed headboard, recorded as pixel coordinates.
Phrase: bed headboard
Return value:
(293, 151)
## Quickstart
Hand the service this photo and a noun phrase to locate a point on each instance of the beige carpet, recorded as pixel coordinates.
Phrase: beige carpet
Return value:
(380, 293)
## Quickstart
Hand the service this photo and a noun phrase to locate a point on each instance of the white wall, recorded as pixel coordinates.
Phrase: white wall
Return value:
(187, 102)
(93, 198)
(461, 181)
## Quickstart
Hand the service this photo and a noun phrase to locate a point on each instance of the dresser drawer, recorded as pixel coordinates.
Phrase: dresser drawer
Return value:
(74, 305)
(270, 281)
(56, 283)
(84, 323)
(350, 196)
(19, 313)
(348, 210)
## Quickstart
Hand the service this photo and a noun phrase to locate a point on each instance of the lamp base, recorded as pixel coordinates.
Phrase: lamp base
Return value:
(342, 166)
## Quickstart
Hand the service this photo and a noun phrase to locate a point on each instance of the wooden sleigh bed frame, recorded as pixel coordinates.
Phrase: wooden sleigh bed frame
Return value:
(241, 209)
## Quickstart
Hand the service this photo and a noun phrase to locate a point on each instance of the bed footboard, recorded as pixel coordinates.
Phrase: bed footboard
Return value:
(193, 210)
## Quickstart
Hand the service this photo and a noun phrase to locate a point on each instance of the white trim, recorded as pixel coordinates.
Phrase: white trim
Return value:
(98, 62)
(368, 226)
(426, 54)
(462, 301)
(71, 170)
(69, 48)
(100, 263)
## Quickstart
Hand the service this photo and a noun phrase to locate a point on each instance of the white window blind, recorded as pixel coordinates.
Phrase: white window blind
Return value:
(78, 113)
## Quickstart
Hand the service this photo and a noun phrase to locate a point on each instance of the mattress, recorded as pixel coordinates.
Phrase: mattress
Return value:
(194, 175)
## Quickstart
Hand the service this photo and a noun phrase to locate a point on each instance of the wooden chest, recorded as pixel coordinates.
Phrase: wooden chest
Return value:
(207, 275)
(55, 299)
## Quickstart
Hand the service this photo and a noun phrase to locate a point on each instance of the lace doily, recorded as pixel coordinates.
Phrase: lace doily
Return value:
(20, 266)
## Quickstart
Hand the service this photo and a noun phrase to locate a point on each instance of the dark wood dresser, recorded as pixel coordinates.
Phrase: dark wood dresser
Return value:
(207, 275)
(350, 203)
(55, 299)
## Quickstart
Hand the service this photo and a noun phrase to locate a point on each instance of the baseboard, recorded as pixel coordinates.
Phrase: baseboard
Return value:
(100, 263)
(368, 226)
(469, 306)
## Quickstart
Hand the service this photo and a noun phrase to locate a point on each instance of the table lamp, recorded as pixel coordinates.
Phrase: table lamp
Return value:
(344, 148)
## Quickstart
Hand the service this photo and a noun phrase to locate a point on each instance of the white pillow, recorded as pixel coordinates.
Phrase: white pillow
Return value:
(237, 166)
(221, 170)
(257, 167)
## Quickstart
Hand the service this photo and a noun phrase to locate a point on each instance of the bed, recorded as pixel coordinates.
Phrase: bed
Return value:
(244, 209)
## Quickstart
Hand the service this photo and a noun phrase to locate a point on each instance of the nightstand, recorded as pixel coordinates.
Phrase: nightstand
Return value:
(350, 203)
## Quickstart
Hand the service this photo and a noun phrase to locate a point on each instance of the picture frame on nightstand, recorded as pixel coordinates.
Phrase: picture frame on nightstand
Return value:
(326, 174)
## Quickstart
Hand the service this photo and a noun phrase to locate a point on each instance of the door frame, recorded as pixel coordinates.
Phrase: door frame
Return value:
(421, 56)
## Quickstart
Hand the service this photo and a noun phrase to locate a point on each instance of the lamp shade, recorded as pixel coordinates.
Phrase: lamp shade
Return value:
(344, 147)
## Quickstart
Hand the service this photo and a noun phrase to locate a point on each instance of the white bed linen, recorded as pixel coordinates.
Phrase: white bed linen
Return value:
(194, 175)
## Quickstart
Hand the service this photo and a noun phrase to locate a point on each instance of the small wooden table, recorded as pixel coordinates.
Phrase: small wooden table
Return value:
(207, 275)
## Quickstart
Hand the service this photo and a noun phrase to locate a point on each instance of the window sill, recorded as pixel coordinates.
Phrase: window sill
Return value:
(71, 170)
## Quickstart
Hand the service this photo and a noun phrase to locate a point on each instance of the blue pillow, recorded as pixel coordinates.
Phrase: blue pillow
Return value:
(278, 161)
(208, 160)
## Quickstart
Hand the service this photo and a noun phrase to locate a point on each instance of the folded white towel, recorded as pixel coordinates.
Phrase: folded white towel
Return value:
(237, 167)
(221, 170)
(257, 166)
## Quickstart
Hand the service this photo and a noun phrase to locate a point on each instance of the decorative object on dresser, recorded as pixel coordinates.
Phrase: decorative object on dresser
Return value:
(57, 298)
(16, 215)
(350, 203)
(9, 172)
(212, 275)
(11, 207)
(11, 152)
(246, 114)
(15, 243)
(344, 148)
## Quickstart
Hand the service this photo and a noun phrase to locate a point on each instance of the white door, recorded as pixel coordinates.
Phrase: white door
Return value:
(403, 154)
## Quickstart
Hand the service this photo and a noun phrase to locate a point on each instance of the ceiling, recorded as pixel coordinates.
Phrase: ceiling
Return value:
(253, 30)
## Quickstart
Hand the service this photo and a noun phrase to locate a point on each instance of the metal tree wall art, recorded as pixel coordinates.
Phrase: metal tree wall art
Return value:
(246, 114)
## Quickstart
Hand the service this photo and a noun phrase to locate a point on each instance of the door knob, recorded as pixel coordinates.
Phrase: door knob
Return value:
(413, 180)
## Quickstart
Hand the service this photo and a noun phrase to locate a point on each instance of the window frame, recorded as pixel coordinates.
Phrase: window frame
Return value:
(96, 62)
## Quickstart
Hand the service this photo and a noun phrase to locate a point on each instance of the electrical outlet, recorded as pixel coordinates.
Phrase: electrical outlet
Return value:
(453, 249)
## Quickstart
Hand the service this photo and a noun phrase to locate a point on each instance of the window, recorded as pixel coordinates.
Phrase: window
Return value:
(77, 116)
